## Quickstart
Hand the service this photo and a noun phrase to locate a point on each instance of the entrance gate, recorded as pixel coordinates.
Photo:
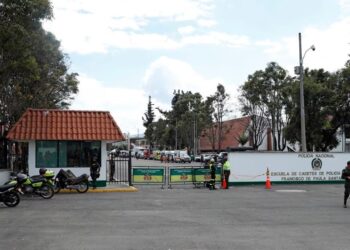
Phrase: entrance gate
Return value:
(119, 169)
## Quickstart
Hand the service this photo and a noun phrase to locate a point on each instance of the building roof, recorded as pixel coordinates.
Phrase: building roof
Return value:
(54, 124)
(232, 129)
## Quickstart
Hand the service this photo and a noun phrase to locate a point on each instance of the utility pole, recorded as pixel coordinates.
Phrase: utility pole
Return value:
(176, 134)
(302, 108)
(300, 70)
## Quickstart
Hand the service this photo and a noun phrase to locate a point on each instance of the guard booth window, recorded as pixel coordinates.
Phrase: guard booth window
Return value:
(46, 154)
(70, 154)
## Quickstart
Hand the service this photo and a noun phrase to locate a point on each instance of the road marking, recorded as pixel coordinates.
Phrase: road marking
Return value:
(291, 191)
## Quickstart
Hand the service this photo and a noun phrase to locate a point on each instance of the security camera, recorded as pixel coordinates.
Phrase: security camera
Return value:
(313, 47)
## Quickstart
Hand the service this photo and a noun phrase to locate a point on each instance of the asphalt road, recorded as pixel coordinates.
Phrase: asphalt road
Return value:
(301, 217)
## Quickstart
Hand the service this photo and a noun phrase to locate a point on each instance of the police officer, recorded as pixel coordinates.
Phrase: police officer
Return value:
(227, 171)
(94, 171)
(112, 167)
(346, 176)
(212, 169)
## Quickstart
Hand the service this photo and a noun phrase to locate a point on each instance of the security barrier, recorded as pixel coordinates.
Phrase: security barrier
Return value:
(179, 175)
(202, 175)
(148, 175)
(191, 175)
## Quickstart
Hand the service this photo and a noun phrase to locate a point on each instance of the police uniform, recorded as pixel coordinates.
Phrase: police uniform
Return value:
(212, 168)
(94, 172)
(345, 174)
(112, 168)
(227, 171)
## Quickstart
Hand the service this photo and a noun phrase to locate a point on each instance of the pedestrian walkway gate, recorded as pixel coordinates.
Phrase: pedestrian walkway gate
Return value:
(119, 169)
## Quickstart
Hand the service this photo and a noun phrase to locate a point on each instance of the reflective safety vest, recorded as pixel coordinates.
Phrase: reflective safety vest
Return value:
(226, 165)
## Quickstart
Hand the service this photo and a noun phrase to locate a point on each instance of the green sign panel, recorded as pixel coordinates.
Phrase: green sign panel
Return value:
(181, 175)
(202, 175)
(148, 175)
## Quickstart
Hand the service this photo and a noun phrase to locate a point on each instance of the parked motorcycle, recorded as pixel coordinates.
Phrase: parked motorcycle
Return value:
(8, 195)
(66, 179)
(47, 174)
(33, 185)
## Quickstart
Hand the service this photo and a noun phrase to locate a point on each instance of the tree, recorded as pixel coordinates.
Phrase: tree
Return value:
(242, 139)
(185, 120)
(33, 70)
(327, 108)
(262, 97)
(258, 124)
(148, 122)
(217, 106)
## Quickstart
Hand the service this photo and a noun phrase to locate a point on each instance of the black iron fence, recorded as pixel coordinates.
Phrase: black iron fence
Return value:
(119, 170)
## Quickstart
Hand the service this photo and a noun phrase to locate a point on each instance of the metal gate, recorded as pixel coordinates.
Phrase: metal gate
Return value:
(119, 169)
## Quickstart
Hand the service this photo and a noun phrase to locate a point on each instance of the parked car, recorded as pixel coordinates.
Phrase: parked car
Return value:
(198, 158)
(139, 154)
(182, 157)
(185, 158)
(221, 156)
(206, 157)
(124, 153)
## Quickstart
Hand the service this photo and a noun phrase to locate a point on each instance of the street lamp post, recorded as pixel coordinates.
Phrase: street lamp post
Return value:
(300, 70)
(194, 134)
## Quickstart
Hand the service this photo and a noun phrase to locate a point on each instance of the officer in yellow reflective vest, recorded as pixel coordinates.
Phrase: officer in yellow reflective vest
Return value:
(212, 168)
(227, 170)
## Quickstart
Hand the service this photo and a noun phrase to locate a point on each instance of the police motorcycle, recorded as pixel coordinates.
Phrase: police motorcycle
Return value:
(32, 185)
(65, 179)
(9, 195)
(48, 175)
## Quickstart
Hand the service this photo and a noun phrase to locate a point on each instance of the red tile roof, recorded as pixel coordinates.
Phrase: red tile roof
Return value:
(232, 129)
(54, 124)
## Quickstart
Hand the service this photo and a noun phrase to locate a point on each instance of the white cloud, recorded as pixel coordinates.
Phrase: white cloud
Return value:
(165, 75)
(271, 47)
(126, 105)
(217, 38)
(185, 30)
(332, 47)
(88, 26)
(345, 6)
(206, 23)
(179, 9)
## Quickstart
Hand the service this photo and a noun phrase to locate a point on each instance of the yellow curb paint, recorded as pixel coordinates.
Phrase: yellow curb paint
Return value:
(109, 190)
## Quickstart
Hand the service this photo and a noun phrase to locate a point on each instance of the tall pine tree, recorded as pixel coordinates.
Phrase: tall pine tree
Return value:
(148, 123)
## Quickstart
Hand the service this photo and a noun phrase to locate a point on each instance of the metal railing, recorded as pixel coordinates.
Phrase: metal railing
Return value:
(119, 170)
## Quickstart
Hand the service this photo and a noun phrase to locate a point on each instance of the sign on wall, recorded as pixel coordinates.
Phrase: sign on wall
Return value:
(287, 167)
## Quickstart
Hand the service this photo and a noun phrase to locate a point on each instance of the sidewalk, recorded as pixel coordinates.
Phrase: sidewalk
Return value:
(110, 188)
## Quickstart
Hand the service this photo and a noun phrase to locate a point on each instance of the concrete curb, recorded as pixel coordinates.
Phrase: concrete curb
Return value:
(104, 190)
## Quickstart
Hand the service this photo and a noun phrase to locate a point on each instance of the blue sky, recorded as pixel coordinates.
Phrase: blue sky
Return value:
(125, 51)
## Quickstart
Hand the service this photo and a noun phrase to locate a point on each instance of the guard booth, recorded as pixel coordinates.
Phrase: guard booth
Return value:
(66, 139)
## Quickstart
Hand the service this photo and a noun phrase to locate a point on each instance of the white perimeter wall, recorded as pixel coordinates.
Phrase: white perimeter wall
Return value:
(4, 176)
(77, 171)
(286, 167)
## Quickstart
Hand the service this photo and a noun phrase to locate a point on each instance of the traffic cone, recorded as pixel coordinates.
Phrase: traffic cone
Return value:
(224, 184)
(268, 183)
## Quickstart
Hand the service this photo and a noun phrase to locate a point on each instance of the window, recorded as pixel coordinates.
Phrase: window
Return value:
(70, 154)
(347, 131)
(347, 147)
(46, 154)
